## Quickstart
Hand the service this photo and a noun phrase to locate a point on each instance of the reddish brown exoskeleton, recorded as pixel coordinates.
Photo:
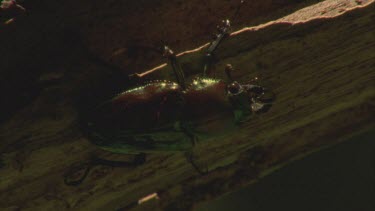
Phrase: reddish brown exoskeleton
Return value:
(164, 116)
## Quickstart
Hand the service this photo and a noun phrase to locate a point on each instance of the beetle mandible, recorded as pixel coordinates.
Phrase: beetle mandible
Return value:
(171, 116)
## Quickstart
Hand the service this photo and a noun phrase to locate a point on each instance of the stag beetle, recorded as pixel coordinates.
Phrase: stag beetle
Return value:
(173, 116)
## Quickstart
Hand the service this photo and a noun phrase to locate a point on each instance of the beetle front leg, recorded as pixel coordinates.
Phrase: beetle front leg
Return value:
(223, 33)
(260, 93)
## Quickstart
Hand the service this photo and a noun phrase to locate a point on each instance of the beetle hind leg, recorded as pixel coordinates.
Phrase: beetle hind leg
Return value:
(191, 159)
(78, 173)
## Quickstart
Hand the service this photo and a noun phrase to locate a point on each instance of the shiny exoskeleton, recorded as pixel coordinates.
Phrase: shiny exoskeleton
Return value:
(162, 116)
(173, 116)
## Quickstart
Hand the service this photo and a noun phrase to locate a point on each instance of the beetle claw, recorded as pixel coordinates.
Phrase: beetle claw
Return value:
(77, 174)
(190, 158)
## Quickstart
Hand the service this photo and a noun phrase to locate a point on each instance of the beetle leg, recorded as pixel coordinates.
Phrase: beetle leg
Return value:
(189, 154)
(138, 160)
(190, 158)
(95, 161)
(223, 32)
(262, 94)
(184, 127)
(178, 72)
(86, 167)
(261, 98)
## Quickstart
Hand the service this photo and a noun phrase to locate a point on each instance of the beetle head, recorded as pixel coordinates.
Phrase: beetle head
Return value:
(248, 98)
(240, 101)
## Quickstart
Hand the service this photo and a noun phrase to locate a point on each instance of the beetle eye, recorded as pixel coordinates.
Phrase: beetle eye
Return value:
(234, 88)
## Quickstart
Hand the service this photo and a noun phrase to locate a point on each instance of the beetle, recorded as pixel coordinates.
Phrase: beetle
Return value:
(167, 116)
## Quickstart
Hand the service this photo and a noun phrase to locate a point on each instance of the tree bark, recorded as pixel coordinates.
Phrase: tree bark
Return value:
(321, 68)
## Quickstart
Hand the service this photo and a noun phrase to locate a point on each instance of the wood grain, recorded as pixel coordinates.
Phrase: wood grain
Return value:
(322, 71)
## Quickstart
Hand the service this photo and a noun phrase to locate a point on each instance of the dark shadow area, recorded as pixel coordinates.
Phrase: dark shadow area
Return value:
(49, 37)
(339, 178)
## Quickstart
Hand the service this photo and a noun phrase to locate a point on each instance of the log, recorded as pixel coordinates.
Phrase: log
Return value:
(321, 69)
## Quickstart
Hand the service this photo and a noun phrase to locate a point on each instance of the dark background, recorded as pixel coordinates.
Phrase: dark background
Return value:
(338, 178)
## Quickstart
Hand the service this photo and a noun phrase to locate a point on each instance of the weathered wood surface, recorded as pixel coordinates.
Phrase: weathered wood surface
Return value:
(321, 70)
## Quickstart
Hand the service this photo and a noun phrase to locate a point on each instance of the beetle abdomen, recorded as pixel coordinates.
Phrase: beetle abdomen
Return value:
(147, 107)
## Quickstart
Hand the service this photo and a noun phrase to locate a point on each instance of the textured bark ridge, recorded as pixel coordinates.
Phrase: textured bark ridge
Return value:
(319, 61)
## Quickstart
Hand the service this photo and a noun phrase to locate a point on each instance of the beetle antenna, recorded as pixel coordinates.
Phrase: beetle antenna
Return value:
(237, 11)
(163, 46)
